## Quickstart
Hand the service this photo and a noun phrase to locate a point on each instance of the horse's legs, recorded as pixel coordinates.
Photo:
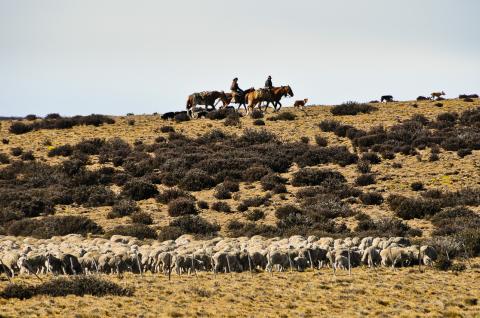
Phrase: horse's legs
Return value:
(278, 103)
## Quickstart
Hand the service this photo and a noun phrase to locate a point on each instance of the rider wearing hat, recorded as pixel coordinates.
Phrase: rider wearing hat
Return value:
(235, 89)
(268, 83)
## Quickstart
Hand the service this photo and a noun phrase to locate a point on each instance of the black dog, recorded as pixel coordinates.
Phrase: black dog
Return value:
(386, 98)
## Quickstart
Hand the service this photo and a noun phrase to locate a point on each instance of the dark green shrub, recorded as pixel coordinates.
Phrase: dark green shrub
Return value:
(123, 208)
(365, 179)
(258, 122)
(311, 177)
(195, 225)
(54, 226)
(19, 128)
(352, 108)
(167, 129)
(64, 151)
(139, 190)
(170, 194)
(141, 218)
(64, 286)
(181, 206)
(255, 215)
(140, 231)
(202, 205)
(285, 211)
(371, 198)
(417, 186)
(321, 141)
(256, 114)
(220, 206)
(196, 180)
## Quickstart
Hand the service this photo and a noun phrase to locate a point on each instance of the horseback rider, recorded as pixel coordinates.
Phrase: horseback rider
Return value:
(235, 89)
(268, 83)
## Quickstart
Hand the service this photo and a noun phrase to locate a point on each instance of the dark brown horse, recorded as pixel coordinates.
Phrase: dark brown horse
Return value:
(270, 96)
(240, 98)
(205, 98)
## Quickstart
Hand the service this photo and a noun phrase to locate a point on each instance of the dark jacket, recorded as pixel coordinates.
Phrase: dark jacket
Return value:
(268, 83)
(235, 88)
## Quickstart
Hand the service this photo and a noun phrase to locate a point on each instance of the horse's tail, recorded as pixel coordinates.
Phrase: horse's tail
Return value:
(189, 103)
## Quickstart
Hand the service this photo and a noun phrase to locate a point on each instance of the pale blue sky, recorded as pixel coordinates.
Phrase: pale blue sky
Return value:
(144, 56)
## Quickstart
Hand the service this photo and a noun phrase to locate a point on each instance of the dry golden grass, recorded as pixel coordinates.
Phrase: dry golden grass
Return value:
(381, 293)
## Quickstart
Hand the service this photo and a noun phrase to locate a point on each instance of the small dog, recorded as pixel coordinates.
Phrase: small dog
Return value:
(300, 103)
(437, 95)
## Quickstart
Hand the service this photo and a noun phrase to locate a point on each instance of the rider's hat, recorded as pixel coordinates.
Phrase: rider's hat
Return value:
(235, 79)
(269, 76)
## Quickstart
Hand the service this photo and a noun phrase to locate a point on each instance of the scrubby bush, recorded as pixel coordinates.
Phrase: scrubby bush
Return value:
(329, 125)
(410, 208)
(64, 151)
(271, 181)
(389, 227)
(312, 177)
(139, 190)
(31, 117)
(236, 228)
(5, 141)
(255, 173)
(371, 198)
(365, 179)
(195, 225)
(54, 226)
(304, 139)
(283, 116)
(141, 218)
(255, 215)
(19, 128)
(140, 231)
(222, 193)
(321, 141)
(464, 152)
(167, 129)
(27, 156)
(258, 122)
(169, 233)
(181, 206)
(196, 180)
(371, 157)
(285, 211)
(170, 194)
(4, 158)
(53, 116)
(123, 208)
(233, 119)
(363, 166)
(253, 202)
(202, 204)
(417, 186)
(256, 114)
(352, 108)
(230, 185)
(64, 286)
(221, 206)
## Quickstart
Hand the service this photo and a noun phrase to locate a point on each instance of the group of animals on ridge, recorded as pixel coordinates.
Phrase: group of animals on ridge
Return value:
(74, 254)
(251, 98)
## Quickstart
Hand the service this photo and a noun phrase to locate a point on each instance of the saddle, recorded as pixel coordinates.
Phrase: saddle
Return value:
(200, 97)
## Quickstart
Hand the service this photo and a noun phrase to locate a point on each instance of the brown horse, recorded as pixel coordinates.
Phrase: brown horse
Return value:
(240, 98)
(205, 98)
(270, 96)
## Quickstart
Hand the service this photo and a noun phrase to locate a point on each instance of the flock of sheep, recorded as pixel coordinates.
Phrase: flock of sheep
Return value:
(74, 254)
